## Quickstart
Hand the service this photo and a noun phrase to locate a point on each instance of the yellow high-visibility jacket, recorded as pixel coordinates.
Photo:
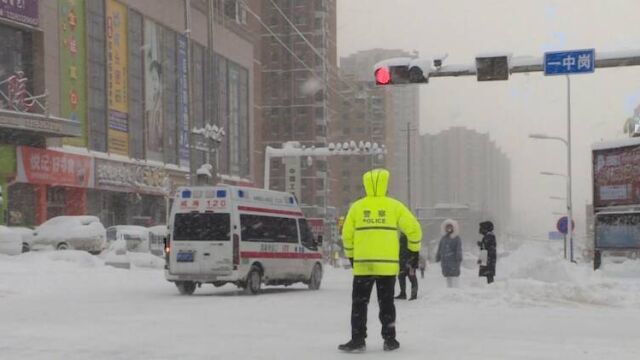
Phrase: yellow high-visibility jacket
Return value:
(370, 231)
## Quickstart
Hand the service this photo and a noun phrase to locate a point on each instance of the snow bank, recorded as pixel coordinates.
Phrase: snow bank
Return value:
(537, 275)
(145, 260)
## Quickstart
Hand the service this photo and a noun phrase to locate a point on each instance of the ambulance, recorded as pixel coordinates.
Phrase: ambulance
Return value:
(244, 236)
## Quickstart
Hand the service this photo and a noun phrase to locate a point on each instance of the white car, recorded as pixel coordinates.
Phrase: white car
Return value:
(27, 237)
(10, 241)
(157, 235)
(136, 237)
(71, 232)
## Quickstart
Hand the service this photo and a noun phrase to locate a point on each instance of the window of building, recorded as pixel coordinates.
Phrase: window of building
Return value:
(300, 20)
(258, 228)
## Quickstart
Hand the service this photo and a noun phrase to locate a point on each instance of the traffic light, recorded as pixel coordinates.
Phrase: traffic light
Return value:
(399, 71)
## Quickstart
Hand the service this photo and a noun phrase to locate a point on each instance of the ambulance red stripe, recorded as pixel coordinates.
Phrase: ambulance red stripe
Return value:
(279, 255)
(270, 211)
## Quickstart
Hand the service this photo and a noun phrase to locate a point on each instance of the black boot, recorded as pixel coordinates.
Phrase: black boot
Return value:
(391, 344)
(413, 297)
(353, 346)
(402, 296)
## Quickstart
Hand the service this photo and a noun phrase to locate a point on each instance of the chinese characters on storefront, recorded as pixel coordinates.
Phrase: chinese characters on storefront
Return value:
(72, 65)
(117, 72)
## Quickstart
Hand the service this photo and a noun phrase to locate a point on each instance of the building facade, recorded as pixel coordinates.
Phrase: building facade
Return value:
(463, 172)
(127, 77)
(298, 88)
(365, 115)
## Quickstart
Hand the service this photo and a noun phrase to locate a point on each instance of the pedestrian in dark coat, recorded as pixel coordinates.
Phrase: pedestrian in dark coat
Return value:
(488, 254)
(450, 252)
(408, 264)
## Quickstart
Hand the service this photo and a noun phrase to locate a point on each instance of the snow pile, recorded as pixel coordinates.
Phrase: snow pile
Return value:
(537, 275)
(10, 241)
(146, 260)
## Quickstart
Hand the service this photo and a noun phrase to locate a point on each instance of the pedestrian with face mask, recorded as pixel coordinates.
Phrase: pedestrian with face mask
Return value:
(449, 253)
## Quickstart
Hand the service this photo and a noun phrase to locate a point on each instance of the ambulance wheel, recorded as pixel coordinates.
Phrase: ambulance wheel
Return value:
(254, 281)
(186, 287)
(316, 277)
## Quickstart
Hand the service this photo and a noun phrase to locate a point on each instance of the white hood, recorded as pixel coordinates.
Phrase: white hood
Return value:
(456, 228)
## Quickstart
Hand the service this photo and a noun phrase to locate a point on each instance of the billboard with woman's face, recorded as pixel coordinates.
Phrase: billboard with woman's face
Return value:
(154, 124)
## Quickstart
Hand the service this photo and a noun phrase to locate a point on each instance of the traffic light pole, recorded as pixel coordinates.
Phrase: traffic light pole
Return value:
(536, 64)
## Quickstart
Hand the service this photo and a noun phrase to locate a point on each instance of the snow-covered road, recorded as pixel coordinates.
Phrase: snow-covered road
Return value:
(68, 305)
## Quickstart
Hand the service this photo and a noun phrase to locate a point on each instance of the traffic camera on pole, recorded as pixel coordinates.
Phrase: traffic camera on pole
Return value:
(402, 70)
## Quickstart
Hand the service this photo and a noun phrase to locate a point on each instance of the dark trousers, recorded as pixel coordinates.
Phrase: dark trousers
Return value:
(489, 279)
(402, 280)
(362, 286)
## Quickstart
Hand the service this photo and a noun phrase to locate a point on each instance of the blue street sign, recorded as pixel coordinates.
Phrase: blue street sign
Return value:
(563, 225)
(570, 62)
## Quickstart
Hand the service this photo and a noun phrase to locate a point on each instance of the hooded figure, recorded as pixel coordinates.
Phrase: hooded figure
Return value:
(370, 238)
(450, 251)
(487, 248)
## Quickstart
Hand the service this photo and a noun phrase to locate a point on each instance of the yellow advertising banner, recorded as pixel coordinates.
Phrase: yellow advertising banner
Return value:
(118, 142)
(117, 75)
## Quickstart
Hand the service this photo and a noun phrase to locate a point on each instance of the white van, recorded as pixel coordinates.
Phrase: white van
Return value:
(245, 236)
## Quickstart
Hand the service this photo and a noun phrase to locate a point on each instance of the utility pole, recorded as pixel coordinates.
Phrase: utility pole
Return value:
(409, 164)
(569, 202)
(187, 32)
(408, 130)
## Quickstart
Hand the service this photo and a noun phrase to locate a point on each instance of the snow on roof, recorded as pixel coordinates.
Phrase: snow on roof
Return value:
(610, 144)
(125, 159)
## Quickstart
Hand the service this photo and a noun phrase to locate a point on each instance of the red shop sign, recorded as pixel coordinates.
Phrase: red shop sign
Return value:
(47, 167)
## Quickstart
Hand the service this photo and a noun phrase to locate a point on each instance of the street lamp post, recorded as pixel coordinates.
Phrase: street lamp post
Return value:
(214, 136)
(293, 149)
(568, 179)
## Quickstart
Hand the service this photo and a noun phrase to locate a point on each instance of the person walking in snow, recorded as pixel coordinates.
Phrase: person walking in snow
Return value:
(449, 253)
(408, 266)
(488, 254)
(422, 264)
(370, 237)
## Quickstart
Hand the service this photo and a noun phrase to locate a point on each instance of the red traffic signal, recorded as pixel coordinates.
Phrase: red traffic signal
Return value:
(383, 76)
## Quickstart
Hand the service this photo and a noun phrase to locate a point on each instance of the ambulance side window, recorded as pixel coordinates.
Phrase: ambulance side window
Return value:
(306, 235)
(258, 228)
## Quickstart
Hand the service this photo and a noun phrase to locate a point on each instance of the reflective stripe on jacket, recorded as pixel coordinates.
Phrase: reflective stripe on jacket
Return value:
(370, 231)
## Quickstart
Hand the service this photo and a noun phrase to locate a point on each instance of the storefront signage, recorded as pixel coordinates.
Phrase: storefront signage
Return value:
(119, 176)
(50, 126)
(72, 65)
(117, 74)
(21, 11)
(183, 101)
(47, 167)
(16, 94)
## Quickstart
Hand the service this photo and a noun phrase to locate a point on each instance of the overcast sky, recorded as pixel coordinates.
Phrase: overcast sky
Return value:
(510, 110)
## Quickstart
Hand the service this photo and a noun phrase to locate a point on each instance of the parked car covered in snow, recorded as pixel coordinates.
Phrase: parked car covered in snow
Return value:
(10, 241)
(71, 232)
(136, 237)
(26, 235)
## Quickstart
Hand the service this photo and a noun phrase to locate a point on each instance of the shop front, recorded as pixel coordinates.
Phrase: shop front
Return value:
(47, 183)
(132, 194)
